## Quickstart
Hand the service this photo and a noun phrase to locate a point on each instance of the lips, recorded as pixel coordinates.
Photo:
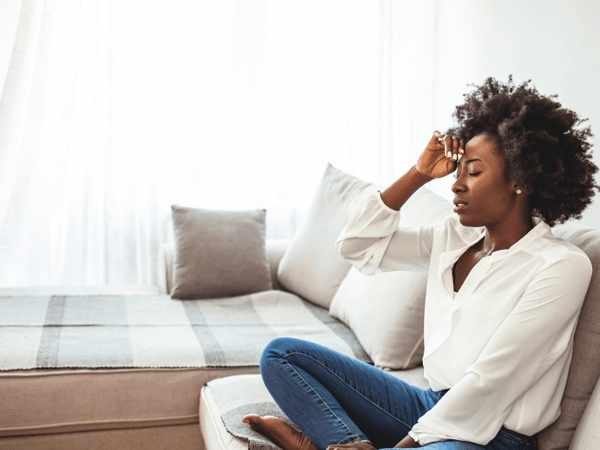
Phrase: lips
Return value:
(461, 205)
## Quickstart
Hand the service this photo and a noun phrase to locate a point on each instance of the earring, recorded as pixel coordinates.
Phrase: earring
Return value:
(518, 191)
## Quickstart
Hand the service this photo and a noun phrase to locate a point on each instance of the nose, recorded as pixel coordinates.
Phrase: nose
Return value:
(458, 186)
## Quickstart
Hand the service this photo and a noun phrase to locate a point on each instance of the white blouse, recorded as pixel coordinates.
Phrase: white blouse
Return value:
(503, 342)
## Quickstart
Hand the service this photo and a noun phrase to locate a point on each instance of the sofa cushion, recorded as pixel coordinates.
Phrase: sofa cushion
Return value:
(219, 253)
(312, 267)
(155, 331)
(154, 437)
(69, 401)
(585, 365)
(385, 311)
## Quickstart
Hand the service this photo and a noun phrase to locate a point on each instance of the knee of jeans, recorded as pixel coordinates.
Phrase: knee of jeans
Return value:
(275, 351)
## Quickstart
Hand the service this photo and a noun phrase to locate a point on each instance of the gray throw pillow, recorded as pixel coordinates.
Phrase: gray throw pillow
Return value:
(219, 253)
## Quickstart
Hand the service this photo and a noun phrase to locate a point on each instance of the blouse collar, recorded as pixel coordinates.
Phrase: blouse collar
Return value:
(529, 242)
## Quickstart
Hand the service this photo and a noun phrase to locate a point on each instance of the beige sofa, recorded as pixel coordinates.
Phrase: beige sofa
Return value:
(577, 428)
(586, 434)
(169, 407)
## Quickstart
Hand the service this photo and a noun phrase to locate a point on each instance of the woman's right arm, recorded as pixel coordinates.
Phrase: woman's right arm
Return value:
(371, 241)
(437, 160)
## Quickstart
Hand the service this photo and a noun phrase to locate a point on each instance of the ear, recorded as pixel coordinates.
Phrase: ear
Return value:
(516, 188)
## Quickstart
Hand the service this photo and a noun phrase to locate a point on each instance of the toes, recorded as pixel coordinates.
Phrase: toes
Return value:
(251, 419)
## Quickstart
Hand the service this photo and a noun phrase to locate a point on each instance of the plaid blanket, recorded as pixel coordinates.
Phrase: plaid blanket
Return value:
(156, 331)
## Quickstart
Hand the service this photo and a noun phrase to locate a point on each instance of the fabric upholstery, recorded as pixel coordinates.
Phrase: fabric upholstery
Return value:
(66, 401)
(275, 250)
(585, 365)
(216, 436)
(166, 254)
(160, 437)
(311, 267)
(385, 311)
(155, 331)
(587, 434)
(219, 253)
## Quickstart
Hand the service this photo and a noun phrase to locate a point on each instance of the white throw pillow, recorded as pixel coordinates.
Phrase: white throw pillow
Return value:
(385, 311)
(312, 267)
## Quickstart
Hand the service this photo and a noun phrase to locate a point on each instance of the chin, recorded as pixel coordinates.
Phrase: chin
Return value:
(467, 221)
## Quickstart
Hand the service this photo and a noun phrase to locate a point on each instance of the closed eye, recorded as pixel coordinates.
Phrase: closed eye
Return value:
(474, 174)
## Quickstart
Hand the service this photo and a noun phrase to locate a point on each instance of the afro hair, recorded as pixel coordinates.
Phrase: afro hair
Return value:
(547, 150)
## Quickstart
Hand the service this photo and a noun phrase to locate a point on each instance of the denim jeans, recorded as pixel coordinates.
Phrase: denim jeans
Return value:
(335, 399)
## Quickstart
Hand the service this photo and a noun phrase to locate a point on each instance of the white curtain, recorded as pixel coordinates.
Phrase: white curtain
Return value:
(111, 111)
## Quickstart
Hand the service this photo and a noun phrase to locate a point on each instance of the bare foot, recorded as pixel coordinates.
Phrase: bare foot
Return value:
(279, 432)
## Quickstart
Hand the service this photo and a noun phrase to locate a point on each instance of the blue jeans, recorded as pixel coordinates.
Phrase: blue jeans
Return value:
(335, 399)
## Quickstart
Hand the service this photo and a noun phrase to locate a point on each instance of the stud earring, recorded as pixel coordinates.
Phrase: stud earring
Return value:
(519, 191)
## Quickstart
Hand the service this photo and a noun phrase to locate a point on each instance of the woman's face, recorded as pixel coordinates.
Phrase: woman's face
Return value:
(482, 194)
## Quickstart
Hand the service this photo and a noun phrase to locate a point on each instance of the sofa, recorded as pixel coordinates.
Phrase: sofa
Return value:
(189, 371)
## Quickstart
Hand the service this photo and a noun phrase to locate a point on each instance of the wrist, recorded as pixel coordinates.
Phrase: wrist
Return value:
(420, 175)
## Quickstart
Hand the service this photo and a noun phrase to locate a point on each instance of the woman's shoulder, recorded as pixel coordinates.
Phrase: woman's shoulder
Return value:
(555, 249)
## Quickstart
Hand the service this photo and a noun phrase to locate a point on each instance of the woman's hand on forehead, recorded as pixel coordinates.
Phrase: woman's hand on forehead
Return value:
(440, 156)
(449, 149)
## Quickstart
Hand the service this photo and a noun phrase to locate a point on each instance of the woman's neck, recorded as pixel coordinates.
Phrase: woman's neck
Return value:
(505, 235)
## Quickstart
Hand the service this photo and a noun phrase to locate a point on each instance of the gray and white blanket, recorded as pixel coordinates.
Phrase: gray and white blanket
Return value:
(156, 331)
(226, 393)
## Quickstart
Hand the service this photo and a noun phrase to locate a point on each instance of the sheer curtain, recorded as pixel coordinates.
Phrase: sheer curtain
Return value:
(112, 111)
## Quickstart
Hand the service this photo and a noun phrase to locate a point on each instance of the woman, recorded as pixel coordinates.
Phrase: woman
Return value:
(503, 294)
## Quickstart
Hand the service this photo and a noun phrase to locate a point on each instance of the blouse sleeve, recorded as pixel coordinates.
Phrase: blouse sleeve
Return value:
(373, 243)
(536, 334)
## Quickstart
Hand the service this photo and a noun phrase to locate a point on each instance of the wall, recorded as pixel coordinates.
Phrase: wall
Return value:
(554, 43)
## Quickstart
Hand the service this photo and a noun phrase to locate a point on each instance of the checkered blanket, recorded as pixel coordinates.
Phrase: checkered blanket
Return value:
(156, 331)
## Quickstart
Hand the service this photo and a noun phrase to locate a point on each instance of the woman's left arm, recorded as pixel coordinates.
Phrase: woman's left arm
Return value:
(536, 334)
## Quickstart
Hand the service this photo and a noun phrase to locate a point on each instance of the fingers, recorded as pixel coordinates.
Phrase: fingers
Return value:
(453, 147)
(358, 445)
(436, 138)
(448, 145)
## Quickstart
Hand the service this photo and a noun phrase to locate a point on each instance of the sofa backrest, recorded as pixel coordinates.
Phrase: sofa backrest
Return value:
(585, 365)
(587, 435)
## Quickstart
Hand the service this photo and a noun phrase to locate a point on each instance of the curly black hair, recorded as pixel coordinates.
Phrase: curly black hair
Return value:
(547, 152)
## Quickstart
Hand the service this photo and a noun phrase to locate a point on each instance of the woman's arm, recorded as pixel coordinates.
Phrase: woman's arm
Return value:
(437, 160)
(366, 241)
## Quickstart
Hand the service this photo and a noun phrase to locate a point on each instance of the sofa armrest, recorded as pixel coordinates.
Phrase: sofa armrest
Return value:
(165, 267)
(275, 251)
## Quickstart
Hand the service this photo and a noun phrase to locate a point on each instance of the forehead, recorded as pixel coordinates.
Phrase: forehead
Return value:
(482, 147)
